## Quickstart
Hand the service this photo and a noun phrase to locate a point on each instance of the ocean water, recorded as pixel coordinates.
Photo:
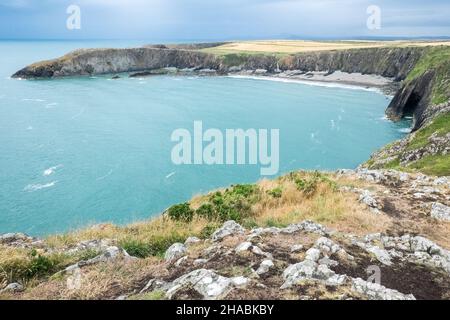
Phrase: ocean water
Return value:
(88, 150)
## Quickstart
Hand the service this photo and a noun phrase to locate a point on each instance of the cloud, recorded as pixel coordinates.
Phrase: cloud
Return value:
(222, 19)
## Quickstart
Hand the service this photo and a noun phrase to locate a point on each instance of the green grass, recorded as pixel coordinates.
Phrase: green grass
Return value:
(437, 165)
(33, 265)
(437, 59)
(276, 192)
(154, 247)
(439, 125)
(181, 212)
(394, 164)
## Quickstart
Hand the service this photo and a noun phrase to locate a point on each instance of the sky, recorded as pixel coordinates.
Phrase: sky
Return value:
(177, 20)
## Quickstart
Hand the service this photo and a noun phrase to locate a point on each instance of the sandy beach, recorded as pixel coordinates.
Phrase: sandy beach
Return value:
(337, 78)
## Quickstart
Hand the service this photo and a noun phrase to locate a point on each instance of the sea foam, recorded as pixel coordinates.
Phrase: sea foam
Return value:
(36, 187)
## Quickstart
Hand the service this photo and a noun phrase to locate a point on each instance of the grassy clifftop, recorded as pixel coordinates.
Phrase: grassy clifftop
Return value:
(427, 89)
(426, 150)
(435, 59)
(351, 203)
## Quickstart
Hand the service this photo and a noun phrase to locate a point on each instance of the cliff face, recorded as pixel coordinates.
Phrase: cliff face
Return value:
(103, 61)
(388, 62)
(412, 99)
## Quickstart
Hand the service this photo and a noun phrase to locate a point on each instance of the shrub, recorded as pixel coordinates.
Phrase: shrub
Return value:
(136, 248)
(181, 212)
(156, 246)
(33, 265)
(308, 187)
(276, 193)
(40, 265)
(244, 190)
(310, 184)
(206, 210)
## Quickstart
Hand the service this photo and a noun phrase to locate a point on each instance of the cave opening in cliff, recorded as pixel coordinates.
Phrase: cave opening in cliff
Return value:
(411, 104)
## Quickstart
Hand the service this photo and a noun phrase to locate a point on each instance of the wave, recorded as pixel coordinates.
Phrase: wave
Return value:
(170, 175)
(316, 83)
(51, 170)
(404, 130)
(51, 105)
(36, 187)
(105, 176)
(33, 100)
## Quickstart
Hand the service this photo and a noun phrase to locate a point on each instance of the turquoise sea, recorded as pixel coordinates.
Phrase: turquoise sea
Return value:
(87, 150)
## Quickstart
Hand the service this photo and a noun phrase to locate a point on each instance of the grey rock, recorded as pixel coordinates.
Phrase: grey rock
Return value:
(382, 255)
(312, 254)
(327, 245)
(234, 69)
(296, 248)
(207, 283)
(155, 284)
(21, 240)
(260, 71)
(181, 261)
(229, 228)
(12, 288)
(442, 181)
(199, 262)
(306, 226)
(376, 291)
(244, 246)
(368, 199)
(248, 246)
(96, 245)
(328, 262)
(264, 231)
(175, 251)
(191, 241)
(310, 270)
(265, 267)
(440, 211)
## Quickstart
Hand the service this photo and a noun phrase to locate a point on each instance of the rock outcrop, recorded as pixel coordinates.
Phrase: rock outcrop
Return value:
(303, 260)
(388, 62)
